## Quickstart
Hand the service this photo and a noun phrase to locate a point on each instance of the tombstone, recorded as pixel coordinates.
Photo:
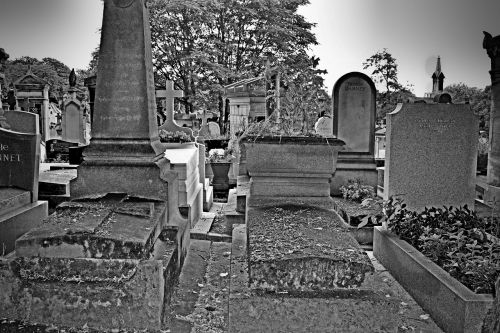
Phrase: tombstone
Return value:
(213, 129)
(204, 131)
(431, 155)
(121, 237)
(58, 150)
(324, 127)
(20, 209)
(73, 120)
(354, 116)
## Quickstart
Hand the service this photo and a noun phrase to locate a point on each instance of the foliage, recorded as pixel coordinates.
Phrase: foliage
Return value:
(356, 191)
(479, 99)
(456, 239)
(49, 69)
(385, 71)
(218, 155)
(178, 136)
(204, 45)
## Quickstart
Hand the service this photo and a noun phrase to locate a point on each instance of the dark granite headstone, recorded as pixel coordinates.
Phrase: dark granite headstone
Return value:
(20, 209)
(59, 149)
(20, 152)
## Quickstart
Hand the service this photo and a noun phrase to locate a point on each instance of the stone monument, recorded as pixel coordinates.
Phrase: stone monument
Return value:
(354, 116)
(121, 238)
(492, 193)
(20, 209)
(430, 159)
(73, 120)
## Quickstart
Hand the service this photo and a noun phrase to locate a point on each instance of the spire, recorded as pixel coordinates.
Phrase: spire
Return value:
(437, 78)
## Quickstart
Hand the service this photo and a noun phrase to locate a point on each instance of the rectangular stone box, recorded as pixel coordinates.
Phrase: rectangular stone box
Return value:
(454, 307)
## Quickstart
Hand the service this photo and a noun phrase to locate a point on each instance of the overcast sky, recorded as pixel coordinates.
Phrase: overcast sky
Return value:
(348, 31)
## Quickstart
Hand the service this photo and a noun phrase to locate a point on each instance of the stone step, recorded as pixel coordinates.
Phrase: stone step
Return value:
(12, 199)
(125, 230)
(201, 229)
(56, 182)
(231, 216)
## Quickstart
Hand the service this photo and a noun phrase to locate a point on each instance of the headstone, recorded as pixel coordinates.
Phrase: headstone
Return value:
(20, 209)
(354, 122)
(204, 131)
(59, 150)
(354, 112)
(213, 129)
(74, 121)
(431, 155)
(121, 237)
(324, 127)
(169, 94)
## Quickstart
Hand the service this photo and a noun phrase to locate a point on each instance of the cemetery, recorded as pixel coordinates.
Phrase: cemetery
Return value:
(282, 213)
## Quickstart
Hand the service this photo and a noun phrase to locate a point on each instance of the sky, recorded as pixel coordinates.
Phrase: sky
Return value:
(348, 32)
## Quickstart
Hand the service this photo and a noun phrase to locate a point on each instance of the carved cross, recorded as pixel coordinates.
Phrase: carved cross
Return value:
(169, 94)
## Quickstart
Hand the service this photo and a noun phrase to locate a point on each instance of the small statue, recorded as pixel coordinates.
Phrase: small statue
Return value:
(3, 57)
(72, 78)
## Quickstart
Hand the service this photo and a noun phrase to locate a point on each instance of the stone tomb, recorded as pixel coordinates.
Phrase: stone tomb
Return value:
(109, 258)
(354, 122)
(185, 162)
(20, 209)
(431, 155)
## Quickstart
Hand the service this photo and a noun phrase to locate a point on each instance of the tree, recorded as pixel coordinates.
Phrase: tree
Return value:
(385, 71)
(203, 45)
(479, 99)
(49, 69)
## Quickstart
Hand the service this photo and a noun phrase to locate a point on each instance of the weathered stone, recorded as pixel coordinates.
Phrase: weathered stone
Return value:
(295, 247)
(354, 122)
(431, 141)
(124, 230)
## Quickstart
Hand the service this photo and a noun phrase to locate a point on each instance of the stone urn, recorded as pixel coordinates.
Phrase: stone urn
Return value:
(291, 166)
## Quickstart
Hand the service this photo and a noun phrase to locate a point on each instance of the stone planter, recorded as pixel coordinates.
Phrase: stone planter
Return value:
(291, 166)
(452, 306)
(220, 170)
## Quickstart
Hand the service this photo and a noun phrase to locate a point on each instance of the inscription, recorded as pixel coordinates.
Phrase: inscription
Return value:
(121, 99)
(437, 124)
(8, 157)
(136, 117)
(350, 86)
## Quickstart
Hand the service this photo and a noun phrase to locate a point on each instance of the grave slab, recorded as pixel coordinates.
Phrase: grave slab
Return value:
(301, 245)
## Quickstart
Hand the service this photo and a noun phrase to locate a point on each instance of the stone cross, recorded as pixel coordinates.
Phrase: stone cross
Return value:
(204, 119)
(169, 94)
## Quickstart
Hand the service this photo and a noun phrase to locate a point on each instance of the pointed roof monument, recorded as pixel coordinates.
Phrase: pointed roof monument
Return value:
(437, 78)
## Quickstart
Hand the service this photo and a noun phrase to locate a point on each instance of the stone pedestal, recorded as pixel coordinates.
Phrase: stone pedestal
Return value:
(492, 194)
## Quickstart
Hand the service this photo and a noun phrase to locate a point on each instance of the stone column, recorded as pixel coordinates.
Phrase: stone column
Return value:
(492, 197)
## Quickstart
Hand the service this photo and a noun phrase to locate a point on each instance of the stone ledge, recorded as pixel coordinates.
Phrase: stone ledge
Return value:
(453, 306)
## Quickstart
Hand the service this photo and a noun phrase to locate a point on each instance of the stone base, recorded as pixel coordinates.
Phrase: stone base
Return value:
(19, 221)
(492, 198)
(290, 185)
(194, 209)
(354, 166)
(101, 294)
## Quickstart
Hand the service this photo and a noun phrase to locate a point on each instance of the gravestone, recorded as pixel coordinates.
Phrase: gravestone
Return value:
(213, 129)
(431, 155)
(324, 127)
(121, 237)
(73, 120)
(20, 209)
(354, 122)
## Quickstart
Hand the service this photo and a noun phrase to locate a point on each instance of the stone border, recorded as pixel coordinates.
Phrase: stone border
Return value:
(452, 306)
